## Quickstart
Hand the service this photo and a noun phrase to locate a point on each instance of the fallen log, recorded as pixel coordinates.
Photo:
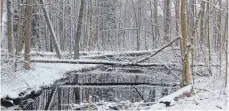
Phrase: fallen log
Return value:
(115, 63)
(159, 50)
(128, 53)
(72, 61)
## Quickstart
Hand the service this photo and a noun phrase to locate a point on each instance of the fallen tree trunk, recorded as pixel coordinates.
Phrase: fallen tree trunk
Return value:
(70, 61)
(131, 53)
(159, 50)
(90, 61)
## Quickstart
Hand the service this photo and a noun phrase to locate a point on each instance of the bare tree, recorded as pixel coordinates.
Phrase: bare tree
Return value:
(186, 67)
(167, 20)
(78, 33)
(157, 33)
(1, 5)
(53, 35)
(226, 38)
(177, 10)
(202, 18)
(28, 33)
(9, 27)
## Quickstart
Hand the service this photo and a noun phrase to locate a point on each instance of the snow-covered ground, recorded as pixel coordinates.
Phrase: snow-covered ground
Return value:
(41, 74)
(209, 95)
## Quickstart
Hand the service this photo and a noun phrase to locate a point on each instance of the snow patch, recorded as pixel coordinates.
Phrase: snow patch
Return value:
(41, 74)
(170, 98)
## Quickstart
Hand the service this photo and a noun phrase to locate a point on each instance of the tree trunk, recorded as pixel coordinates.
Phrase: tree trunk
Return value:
(220, 36)
(208, 30)
(167, 20)
(1, 9)
(157, 33)
(9, 27)
(226, 38)
(91, 27)
(78, 33)
(202, 18)
(152, 25)
(28, 33)
(177, 9)
(186, 73)
(53, 35)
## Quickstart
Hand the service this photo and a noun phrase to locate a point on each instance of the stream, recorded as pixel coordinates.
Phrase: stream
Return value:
(105, 83)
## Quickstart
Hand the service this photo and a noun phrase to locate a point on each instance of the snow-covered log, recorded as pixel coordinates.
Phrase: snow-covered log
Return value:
(170, 99)
(89, 61)
(105, 62)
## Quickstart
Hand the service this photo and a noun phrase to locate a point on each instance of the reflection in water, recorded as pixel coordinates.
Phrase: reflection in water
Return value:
(105, 84)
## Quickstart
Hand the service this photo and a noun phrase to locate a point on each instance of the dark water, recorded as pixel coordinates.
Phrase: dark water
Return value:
(110, 84)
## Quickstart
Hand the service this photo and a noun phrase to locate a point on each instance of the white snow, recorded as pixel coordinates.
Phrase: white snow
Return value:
(41, 74)
(170, 98)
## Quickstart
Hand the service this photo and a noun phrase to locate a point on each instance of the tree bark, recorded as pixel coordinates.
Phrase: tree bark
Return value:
(186, 67)
(91, 27)
(157, 33)
(53, 35)
(9, 27)
(1, 9)
(177, 9)
(78, 33)
(226, 38)
(202, 18)
(167, 20)
(28, 33)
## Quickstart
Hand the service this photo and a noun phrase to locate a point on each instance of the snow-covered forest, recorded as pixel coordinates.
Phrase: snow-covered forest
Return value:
(114, 54)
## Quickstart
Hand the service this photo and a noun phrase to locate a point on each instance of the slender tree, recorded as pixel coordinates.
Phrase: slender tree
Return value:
(157, 33)
(202, 18)
(28, 33)
(186, 67)
(78, 32)
(1, 8)
(226, 38)
(9, 27)
(177, 9)
(50, 27)
(167, 20)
